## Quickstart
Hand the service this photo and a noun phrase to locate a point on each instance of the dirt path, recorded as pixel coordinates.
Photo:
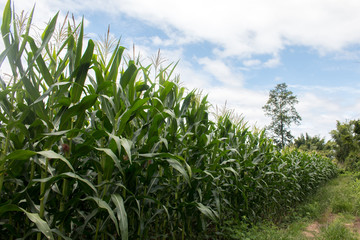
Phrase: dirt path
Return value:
(313, 230)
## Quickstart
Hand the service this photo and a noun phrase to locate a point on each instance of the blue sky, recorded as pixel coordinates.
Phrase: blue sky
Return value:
(237, 50)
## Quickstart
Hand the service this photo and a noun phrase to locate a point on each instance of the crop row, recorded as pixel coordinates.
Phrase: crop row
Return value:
(92, 147)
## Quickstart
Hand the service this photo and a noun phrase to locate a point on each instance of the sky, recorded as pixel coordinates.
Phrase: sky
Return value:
(236, 51)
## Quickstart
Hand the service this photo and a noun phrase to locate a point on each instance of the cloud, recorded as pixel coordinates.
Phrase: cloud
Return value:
(252, 63)
(243, 101)
(238, 28)
(221, 72)
(330, 90)
(273, 62)
(319, 114)
(243, 28)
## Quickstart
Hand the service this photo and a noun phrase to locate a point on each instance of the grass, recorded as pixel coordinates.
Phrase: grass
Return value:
(337, 231)
(332, 213)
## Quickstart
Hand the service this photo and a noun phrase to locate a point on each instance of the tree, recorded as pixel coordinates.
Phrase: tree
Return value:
(308, 143)
(315, 144)
(347, 139)
(280, 107)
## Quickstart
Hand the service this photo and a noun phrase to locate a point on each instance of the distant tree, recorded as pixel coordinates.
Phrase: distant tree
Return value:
(314, 144)
(280, 107)
(308, 143)
(347, 139)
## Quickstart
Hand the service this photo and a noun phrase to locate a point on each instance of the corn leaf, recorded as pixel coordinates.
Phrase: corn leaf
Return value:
(81, 73)
(176, 165)
(207, 211)
(20, 155)
(121, 215)
(34, 217)
(6, 21)
(53, 155)
(41, 224)
(102, 204)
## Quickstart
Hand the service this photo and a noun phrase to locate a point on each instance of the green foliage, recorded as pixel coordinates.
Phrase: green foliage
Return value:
(347, 139)
(314, 144)
(343, 196)
(332, 212)
(93, 148)
(337, 231)
(309, 143)
(280, 107)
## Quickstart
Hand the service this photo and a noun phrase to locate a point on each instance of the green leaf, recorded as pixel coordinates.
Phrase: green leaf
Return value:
(6, 21)
(186, 103)
(47, 93)
(4, 102)
(101, 85)
(5, 53)
(121, 215)
(88, 101)
(50, 180)
(41, 224)
(81, 73)
(45, 73)
(66, 116)
(79, 44)
(33, 92)
(231, 170)
(117, 141)
(20, 155)
(53, 155)
(77, 110)
(34, 217)
(111, 154)
(208, 212)
(23, 44)
(102, 204)
(126, 77)
(115, 65)
(176, 165)
(63, 101)
(127, 146)
(46, 36)
(58, 133)
(127, 114)
(166, 90)
(9, 208)
(56, 231)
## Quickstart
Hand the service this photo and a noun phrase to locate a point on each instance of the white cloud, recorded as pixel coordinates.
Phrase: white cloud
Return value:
(273, 62)
(278, 79)
(239, 28)
(330, 90)
(243, 101)
(259, 26)
(252, 63)
(222, 72)
(319, 114)
(256, 63)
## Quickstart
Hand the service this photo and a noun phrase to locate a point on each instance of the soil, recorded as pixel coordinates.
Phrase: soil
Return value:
(313, 229)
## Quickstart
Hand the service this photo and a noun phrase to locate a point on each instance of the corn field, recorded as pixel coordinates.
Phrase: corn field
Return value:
(93, 147)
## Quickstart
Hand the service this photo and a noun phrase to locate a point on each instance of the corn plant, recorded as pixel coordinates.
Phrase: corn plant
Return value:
(94, 147)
